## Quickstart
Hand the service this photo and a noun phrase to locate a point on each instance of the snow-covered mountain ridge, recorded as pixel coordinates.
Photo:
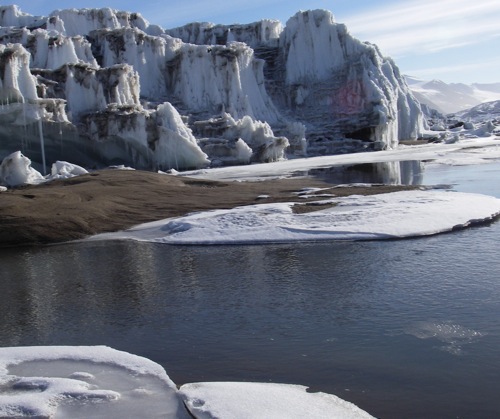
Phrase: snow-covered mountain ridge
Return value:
(100, 86)
(482, 113)
(449, 98)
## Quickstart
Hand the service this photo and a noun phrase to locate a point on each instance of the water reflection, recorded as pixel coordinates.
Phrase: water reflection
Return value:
(370, 317)
(408, 172)
(330, 315)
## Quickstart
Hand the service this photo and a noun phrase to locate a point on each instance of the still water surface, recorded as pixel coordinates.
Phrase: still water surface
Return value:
(404, 328)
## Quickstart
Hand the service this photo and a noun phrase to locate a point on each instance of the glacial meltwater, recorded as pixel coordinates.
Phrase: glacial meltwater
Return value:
(403, 328)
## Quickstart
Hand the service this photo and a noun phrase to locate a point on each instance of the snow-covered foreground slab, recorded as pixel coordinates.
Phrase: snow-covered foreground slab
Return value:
(98, 381)
(264, 400)
(84, 382)
(384, 216)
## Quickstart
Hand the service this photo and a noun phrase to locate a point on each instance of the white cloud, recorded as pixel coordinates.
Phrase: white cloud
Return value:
(435, 71)
(427, 25)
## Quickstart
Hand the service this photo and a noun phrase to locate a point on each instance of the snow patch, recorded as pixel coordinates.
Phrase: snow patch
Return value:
(226, 400)
(412, 213)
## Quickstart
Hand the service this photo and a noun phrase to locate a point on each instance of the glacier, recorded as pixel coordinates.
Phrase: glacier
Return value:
(102, 86)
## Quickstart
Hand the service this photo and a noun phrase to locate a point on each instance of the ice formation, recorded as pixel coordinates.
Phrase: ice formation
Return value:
(356, 217)
(102, 82)
(98, 381)
(16, 170)
(361, 94)
(226, 400)
(83, 382)
(256, 34)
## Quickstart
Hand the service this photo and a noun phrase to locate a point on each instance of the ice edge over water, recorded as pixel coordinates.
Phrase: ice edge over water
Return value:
(385, 216)
(117, 384)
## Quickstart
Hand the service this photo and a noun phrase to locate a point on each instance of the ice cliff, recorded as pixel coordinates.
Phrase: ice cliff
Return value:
(100, 86)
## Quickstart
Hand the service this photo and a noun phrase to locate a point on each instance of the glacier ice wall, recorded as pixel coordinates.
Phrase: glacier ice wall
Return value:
(343, 87)
(227, 78)
(105, 86)
(239, 141)
(264, 32)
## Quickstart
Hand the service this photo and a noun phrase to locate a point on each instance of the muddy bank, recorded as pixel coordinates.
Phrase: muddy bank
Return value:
(112, 200)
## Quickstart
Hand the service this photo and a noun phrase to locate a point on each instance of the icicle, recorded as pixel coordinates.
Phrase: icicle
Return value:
(24, 137)
(42, 144)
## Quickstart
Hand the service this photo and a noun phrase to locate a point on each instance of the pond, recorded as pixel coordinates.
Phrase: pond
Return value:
(403, 328)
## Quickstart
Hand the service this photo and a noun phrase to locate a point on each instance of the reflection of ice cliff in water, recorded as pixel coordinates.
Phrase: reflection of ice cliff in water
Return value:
(408, 172)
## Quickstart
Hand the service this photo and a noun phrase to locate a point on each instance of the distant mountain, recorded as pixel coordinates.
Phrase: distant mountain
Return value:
(483, 112)
(453, 97)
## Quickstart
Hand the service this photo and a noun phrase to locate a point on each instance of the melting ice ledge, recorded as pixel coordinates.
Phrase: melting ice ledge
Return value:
(98, 381)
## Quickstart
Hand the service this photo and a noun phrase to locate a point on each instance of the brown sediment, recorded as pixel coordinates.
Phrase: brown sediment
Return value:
(112, 200)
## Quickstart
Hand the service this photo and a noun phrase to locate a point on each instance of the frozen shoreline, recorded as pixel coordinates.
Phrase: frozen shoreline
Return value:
(115, 200)
(374, 217)
(329, 216)
(98, 381)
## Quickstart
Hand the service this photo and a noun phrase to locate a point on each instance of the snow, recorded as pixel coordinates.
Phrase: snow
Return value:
(226, 400)
(16, 170)
(470, 151)
(82, 382)
(384, 216)
(65, 170)
(99, 381)
(453, 97)
(395, 215)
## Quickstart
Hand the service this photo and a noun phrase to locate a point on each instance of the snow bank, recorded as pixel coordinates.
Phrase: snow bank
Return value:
(82, 382)
(224, 400)
(98, 381)
(384, 216)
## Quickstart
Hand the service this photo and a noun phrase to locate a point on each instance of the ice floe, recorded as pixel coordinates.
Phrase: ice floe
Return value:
(226, 400)
(98, 381)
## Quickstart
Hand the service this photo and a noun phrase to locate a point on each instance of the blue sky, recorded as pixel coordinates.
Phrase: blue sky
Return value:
(456, 41)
